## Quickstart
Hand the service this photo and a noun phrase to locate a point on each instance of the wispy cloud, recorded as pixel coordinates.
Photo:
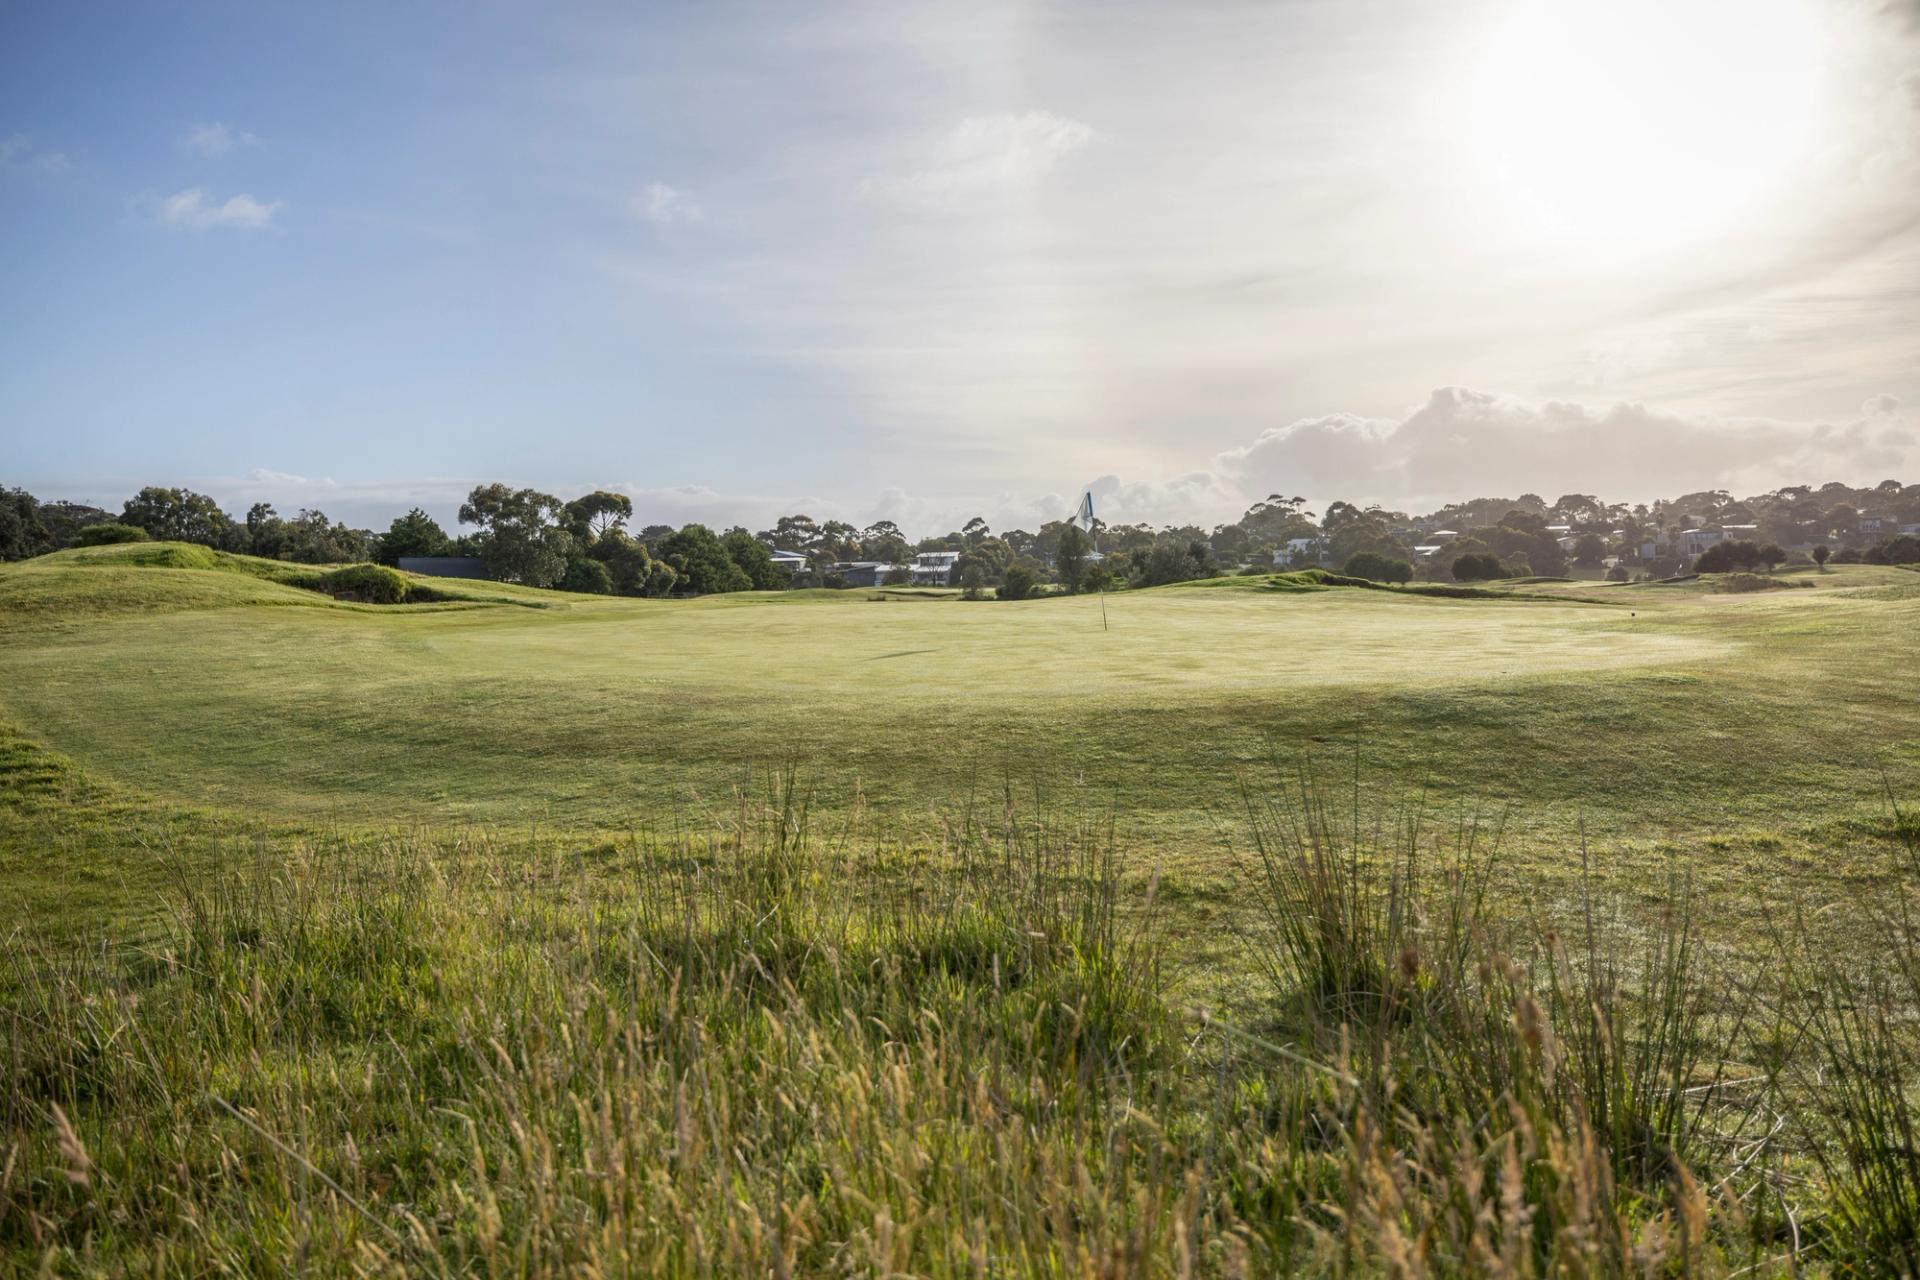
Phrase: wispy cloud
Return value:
(192, 210)
(213, 139)
(666, 206)
(16, 151)
(987, 152)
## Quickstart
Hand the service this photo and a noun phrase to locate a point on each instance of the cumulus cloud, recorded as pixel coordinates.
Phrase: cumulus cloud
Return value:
(213, 139)
(1461, 443)
(986, 152)
(193, 210)
(666, 206)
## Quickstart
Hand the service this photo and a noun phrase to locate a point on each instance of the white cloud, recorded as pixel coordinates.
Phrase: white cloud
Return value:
(261, 475)
(214, 139)
(1463, 443)
(986, 152)
(17, 148)
(666, 206)
(192, 210)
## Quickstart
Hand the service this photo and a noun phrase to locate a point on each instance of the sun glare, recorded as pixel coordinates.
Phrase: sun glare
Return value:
(1645, 126)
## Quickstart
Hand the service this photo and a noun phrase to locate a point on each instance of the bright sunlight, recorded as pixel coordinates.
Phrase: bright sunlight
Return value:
(1641, 128)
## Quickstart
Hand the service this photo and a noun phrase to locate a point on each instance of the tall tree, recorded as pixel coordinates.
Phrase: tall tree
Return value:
(521, 540)
(594, 514)
(1070, 557)
(755, 561)
(627, 560)
(413, 534)
(701, 562)
(22, 532)
(178, 515)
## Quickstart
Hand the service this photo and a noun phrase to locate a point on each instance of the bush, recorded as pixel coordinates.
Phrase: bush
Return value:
(589, 577)
(109, 534)
(1477, 566)
(1019, 583)
(1378, 568)
(1729, 557)
(365, 583)
(1904, 549)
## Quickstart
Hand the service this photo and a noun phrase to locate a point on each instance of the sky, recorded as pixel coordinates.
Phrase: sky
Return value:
(924, 261)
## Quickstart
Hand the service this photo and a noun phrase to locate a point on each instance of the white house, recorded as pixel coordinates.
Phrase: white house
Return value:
(934, 568)
(791, 561)
(1692, 542)
(1298, 548)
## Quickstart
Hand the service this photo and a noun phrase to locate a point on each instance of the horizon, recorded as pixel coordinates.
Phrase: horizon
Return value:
(446, 515)
(872, 264)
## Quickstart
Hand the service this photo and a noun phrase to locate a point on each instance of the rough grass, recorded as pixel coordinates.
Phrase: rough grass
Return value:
(762, 1050)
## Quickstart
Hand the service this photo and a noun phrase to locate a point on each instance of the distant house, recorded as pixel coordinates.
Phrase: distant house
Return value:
(935, 568)
(1692, 542)
(863, 573)
(791, 561)
(1426, 550)
(445, 566)
(1873, 526)
(1299, 548)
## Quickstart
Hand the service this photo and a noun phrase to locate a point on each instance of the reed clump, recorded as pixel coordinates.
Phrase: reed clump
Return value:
(768, 1052)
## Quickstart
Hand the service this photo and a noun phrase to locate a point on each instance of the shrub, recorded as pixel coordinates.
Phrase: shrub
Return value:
(1477, 566)
(1019, 583)
(109, 534)
(587, 576)
(365, 583)
(1378, 568)
(1729, 557)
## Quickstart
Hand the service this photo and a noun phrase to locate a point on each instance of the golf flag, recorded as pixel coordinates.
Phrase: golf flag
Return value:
(1083, 515)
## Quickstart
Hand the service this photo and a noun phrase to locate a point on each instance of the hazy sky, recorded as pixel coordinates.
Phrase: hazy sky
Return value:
(919, 261)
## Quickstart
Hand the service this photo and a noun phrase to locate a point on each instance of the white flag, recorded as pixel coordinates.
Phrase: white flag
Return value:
(1083, 516)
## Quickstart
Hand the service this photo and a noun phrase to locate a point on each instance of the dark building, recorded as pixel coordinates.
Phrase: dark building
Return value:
(445, 566)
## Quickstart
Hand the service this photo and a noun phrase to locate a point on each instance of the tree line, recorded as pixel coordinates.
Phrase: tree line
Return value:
(588, 545)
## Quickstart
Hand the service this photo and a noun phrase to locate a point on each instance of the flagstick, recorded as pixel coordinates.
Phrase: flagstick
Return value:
(1103, 608)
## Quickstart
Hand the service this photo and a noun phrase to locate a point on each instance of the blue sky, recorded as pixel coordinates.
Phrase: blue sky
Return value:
(921, 261)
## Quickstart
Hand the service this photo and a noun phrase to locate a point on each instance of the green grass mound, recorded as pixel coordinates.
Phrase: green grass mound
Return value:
(368, 584)
(169, 555)
(1743, 583)
(1306, 580)
(84, 582)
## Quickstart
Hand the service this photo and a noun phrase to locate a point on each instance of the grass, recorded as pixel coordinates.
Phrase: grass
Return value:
(832, 934)
(590, 712)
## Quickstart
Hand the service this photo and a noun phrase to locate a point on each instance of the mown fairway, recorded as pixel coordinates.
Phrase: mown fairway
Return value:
(1652, 717)
(1660, 710)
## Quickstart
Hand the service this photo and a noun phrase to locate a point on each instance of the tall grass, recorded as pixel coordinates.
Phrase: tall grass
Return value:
(776, 1051)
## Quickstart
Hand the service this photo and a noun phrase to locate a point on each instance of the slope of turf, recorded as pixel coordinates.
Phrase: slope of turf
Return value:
(164, 667)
